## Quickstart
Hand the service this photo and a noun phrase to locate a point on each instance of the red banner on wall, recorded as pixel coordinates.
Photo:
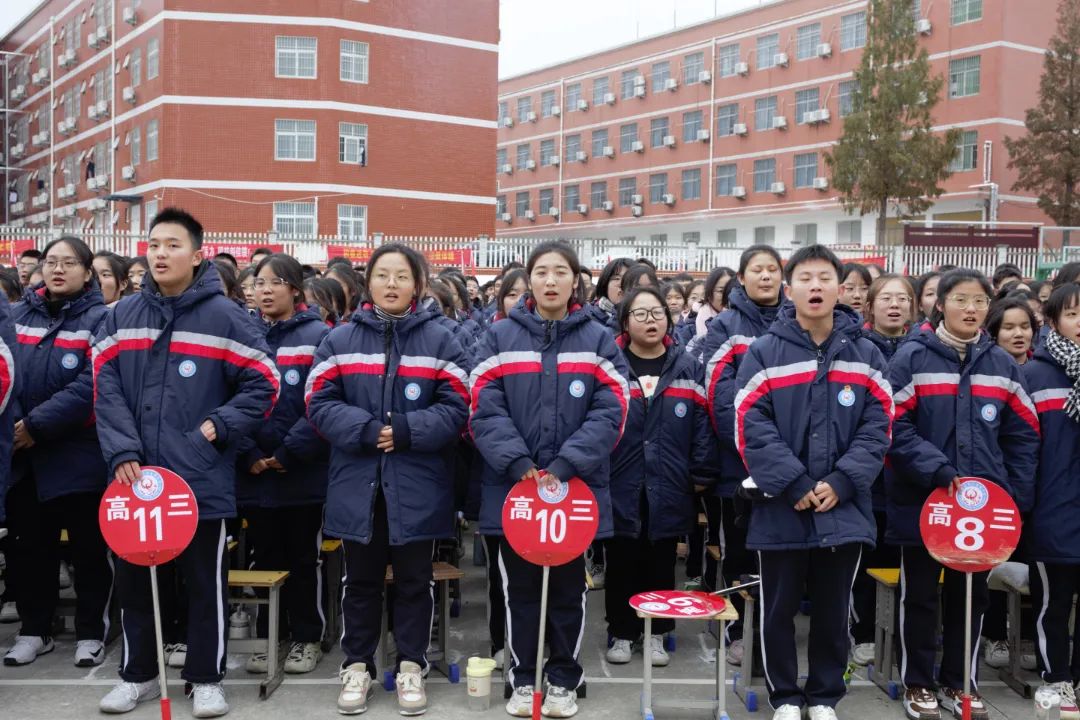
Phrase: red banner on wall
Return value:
(11, 249)
(358, 254)
(239, 250)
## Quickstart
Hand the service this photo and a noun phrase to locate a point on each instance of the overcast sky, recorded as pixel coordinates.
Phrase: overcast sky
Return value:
(536, 34)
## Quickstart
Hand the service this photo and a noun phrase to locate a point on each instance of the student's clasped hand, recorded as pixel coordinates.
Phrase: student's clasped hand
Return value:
(823, 498)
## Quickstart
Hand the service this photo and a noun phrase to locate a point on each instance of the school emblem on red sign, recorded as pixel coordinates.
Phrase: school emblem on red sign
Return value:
(550, 526)
(678, 604)
(151, 521)
(973, 530)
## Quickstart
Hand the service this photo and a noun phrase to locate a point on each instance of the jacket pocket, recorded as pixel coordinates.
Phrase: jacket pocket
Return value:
(205, 454)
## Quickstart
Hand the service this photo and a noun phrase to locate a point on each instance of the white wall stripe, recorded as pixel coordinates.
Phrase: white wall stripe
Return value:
(326, 188)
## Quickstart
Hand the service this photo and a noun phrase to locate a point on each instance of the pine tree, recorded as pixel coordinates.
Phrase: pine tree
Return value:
(1048, 156)
(888, 152)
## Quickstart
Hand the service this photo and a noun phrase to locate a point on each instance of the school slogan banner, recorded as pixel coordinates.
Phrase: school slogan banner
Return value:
(11, 249)
(359, 254)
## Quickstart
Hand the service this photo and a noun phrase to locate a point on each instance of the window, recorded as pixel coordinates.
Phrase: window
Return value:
(150, 206)
(691, 124)
(692, 67)
(352, 143)
(151, 143)
(849, 232)
(691, 184)
(657, 187)
(354, 61)
(504, 111)
(599, 90)
(726, 237)
(805, 234)
(294, 219)
(967, 151)
(765, 235)
(627, 137)
(136, 67)
(524, 107)
(547, 103)
(598, 195)
(626, 84)
(805, 170)
(726, 118)
(807, 38)
(767, 47)
(627, 190)
(806, 101)
(691, 238)
(500, 159)
(764, 174)
(573, 97)
(500, 205)
(966, 11)
(964, 76)
(764, 112)
(599, 142)
(573, 147)
(727, 58)
(547, 152)
(136, 146)
(296, 57)
(571, 198)
(853, 31)
(151, 61)
(846, 97)
(522, 156)
(352, 221)
(658, 240)
(521, 204)
(547, 200)
(725, 180)
(294, 139)
(661, 71)
(658, 128)
(73, 37)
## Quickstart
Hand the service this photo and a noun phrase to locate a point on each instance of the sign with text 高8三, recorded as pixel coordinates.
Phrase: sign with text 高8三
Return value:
(973, 529)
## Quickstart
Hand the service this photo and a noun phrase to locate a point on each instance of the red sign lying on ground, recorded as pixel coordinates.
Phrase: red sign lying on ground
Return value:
(359, 254)
(972, 530)
(151, 521)
(550, 526)
(678, 604)
(239, 250)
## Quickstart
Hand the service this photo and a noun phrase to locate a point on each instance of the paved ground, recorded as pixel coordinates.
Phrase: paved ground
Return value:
(53, 688)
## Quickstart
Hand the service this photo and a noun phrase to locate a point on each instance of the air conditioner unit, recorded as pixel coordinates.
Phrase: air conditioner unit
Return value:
(671, 84)
(738, 192)
(92, 112)
(779, 122)
(581, 156)
(530, 164)
(583, 209)
(66, 59)
(637, 199)
(18, 150)
(823, 115)
(70, 189)
(810, 117)
(98, 204)
(40, 199)
(923, 26)
(19, 92)
(506, 217)
(824, 50)
(92, 39)
(609, 98)
(103, 34)
(705, 76)
(668, 199)
(128, 172)
(530, 215)
(508, 121)
(129, 16)
(739, 129)
(91, 183)
(18, 207)
(582, 104)
(556, 111)
(703, 135)
(530, 116)
(102, 182)
(639, 81)
(61, 192)
(609, 151)
(636, 211)
(608, 205)
(553, 211)
(742, 68)
(637, 146)
(778, 188)
(821, 183)
(103, 108)
(43, 76)
(554, 160)
(669, 141)
(506, 169)
(42, 138)
(639, 91)
(128, 94)
(780, 59)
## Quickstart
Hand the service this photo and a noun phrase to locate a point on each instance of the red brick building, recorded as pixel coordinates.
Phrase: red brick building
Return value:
(324, 117)
(714, 134)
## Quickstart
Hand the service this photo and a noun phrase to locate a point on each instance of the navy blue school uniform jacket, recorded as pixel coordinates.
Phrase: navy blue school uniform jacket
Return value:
(969, 419)
(546, 394)
(804, 414)
(1052, 529)
(55, 391)
(888, 347)
(8, 403)
(729, 337)
(409, 374)
(666, 447)
(164, 365)
(288, 436)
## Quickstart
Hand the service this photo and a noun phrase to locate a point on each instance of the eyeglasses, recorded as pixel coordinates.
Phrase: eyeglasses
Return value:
(643, 314)
(890, 299)
(960, 302)
(260, 283)
(65, 264)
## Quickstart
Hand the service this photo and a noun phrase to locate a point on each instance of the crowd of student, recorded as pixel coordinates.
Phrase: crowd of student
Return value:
(808, 407)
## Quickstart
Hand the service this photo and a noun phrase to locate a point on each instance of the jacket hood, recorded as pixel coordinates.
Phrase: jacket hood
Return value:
(525, 314)
(37, 298)
(303, 315)
(365, 315)
(207, 283)
(928, 336)
(846, 323)
(740, 302)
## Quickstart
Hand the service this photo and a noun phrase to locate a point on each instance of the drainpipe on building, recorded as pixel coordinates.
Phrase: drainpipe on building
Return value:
(52, 130)
(712, 117)
(562, 152)
(112, 117)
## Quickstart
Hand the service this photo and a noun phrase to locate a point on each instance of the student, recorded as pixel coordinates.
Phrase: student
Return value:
(675, 298)
(181, 376)
(666, 444)
(8, 611)
(1006, 273)
(854, 286)
(713, 301)
(388, 391)
(1012, 324)
(58, 458)
(926, 292)
(812, 419)
(137, 269)
(285, 467)
(609, 289)
(549, 392)
(111, 272)
(961, 410)
(514, 285)
(1052, 529)
(28, 260)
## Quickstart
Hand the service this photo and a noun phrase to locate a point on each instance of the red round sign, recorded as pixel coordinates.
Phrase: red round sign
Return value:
(550, 526)
(678, 604)
(151, 521)
(974, 529)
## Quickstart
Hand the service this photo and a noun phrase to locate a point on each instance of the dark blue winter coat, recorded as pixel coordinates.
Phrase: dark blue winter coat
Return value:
(546, 394)
(666, 445)
(164, 365)
(288, 436)
(888, 347)
(968, 419)
(805, 414)
(410, 374)
(55, 391)
(1052, 529)
(8, 403)
(729, 336)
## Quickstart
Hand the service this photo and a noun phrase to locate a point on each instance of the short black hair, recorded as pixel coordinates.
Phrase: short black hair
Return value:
(810, 253)
(950, 280)
(10, 285)
(632, 277)
(560, 247)
(328, 295)
(617, 265)
(1063, 298)
(1069, 273)
(228, 257)
(262, 250)
(760, 249)
(631, 295)
(288, 269)
(182, 218)
(714, 279)
(339, 260)
(1004, 271)
(416, 261)
(670, 287)
(998, 308)
(860, 270)
(82, 251)
(508, 283)
(31, 253)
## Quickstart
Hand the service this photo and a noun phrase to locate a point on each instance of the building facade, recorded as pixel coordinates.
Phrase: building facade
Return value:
(715, 134)
(326, 117)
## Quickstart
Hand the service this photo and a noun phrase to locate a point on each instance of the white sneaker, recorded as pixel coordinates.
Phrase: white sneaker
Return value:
(500, 658)
(27, 648)
(787, 712)
(862, 654)
(735, 653)
(996, 653)
(89, 653)
(303, 657)
(620, 652)
(257, 663)
(355, 688)
(559, 702)
(178, 656)
(1027, 655)
(820, 712)
(1061, 695)
(9, 613)
(239, 626)
(657, 654)
(520, 703)
(412, 700)
(126, 695)
(209, 700)
(65, 576)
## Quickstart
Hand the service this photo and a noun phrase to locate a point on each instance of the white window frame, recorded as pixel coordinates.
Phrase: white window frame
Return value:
(764, 168)
(726, 178)
(965, 76)
(727, 57)
(967, 148)
(352, 221)
(297, 131)
(352, 144)
(853, 31)
(151, 141)
(354, 61)
(296, 49)
(806, 101)
(135, 68)
(806, 167)
(153, 52)
(288, 216)
(693, 65)
(136, 146)
(763, 105)
(767, 48)
(691, 178)
(807, 39)
(962, 12)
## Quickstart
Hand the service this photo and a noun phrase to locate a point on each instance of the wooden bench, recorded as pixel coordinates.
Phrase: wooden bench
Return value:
(881, 671)
(271, 581)
(1017, 593)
